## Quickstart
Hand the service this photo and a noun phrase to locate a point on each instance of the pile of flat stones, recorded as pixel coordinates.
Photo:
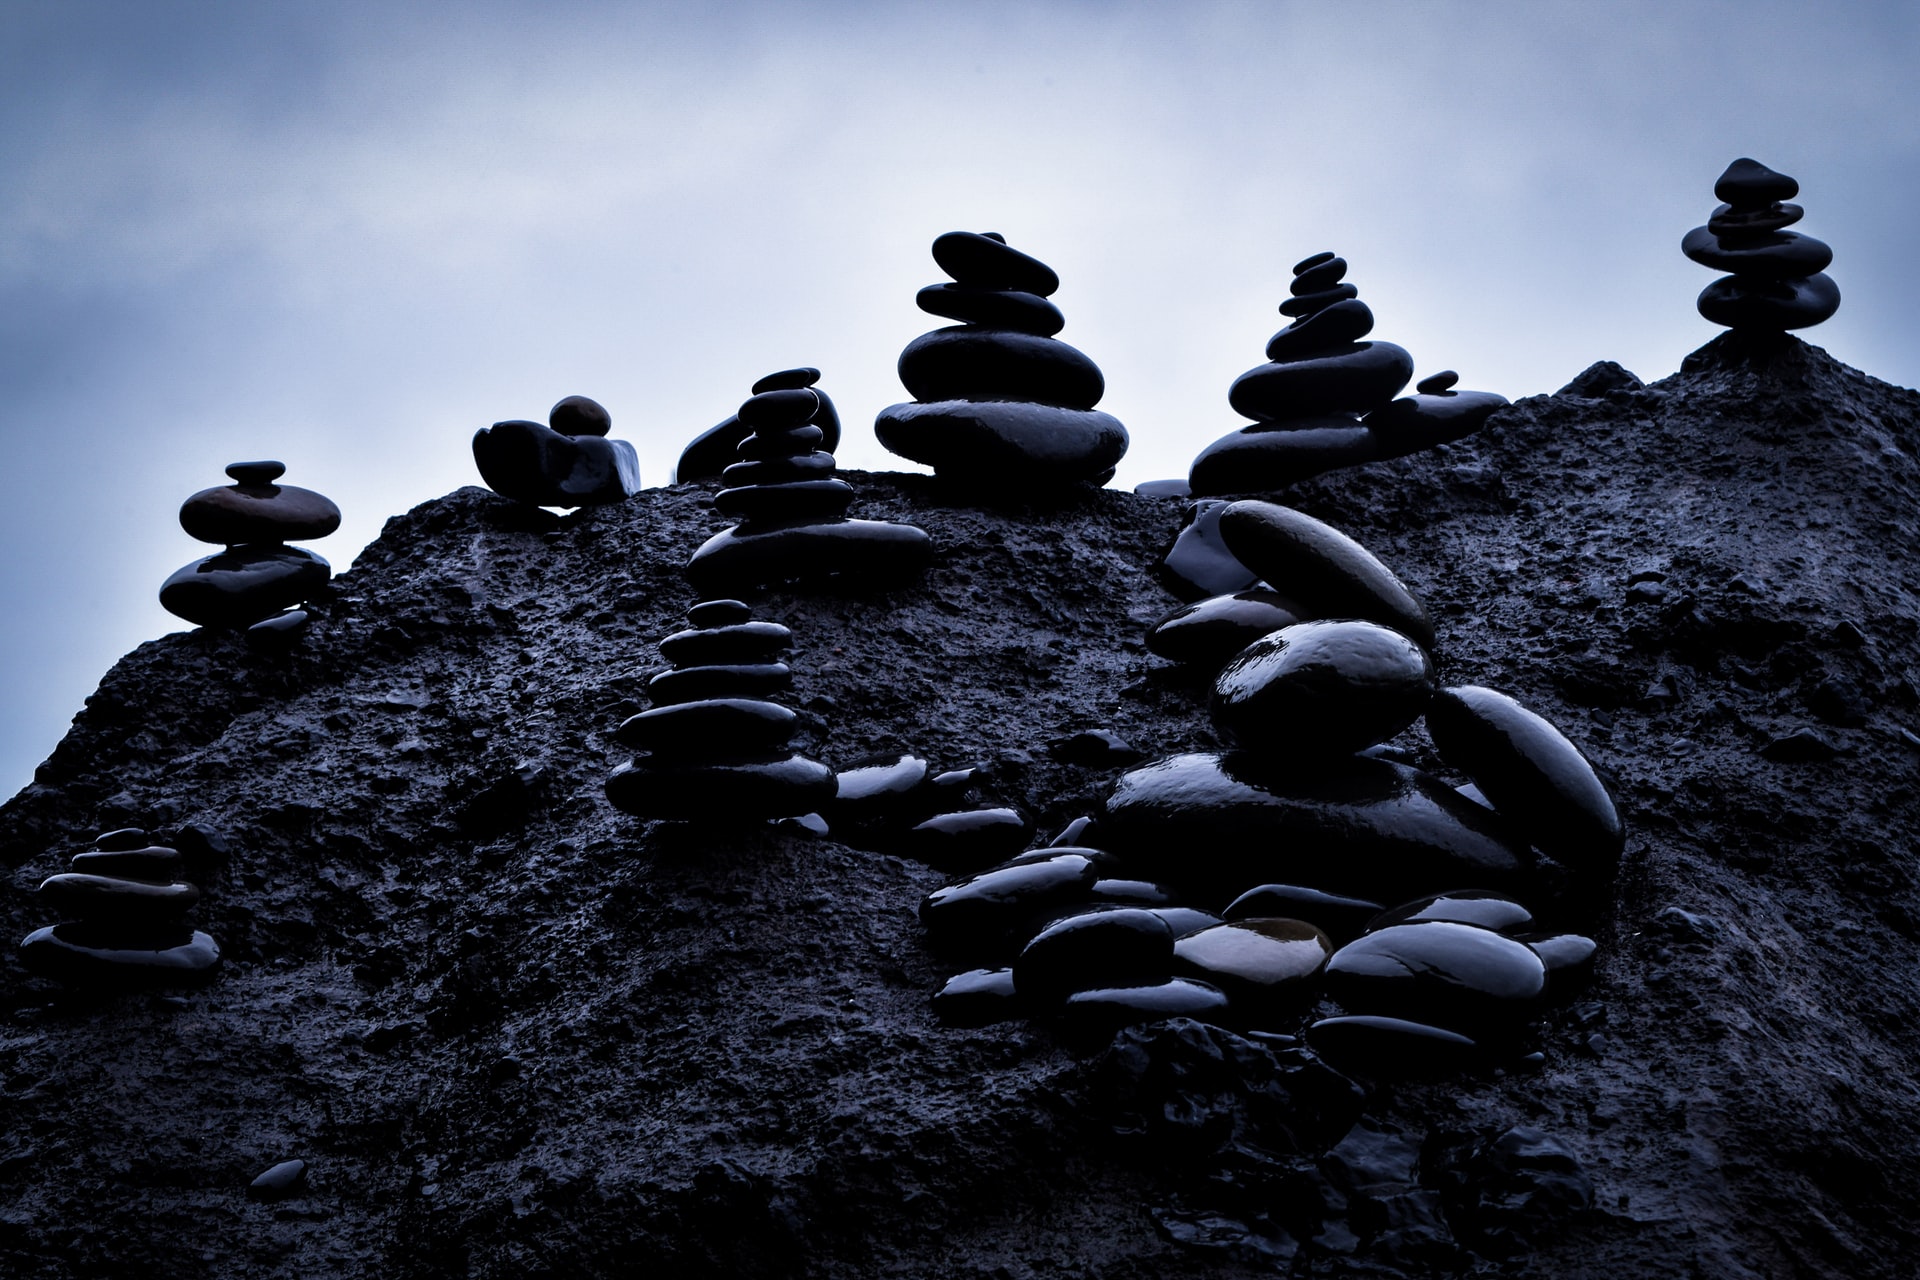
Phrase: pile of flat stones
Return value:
(1778, 278)
(718, 447)
(123, 911)
(257, 582)
(567, 463)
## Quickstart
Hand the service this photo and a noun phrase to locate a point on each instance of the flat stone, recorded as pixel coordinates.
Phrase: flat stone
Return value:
(1324, 687)
(1328, 329)
(1318, 277)
(1726, 220)
(280, 631)
(1481, 908)
(971, 363)
(252, 513)
(1748, 182)
(987, 262)
(1537, 779)
(1774, 254)
(153, 862)
(1353, 378)
(993, 308)
(799, 501)
(1307, 303)
(803, 466)
(967, 841)
(739, 680)
(1747, 302)
(1261, 964)
(1100, 857)
(1456, 976)
(734, 643)
(1436, 383)
(985, 911)
(765, 443)
(722, 791)
(779, 410)
(880, 789)
(532, 463)
(710, 727)
(1007, 445)
(977, 998)
(579, 416)
(1127, 947)
(1426, 421)
(1313, 260)
(123, 838)
(787, 380)
(241, 586)
(1267, 457)
(282, 1180)
(1098, 748)
(1198, 565)
(870, 553)
(263, 472)
(1163, 489)
(91, 896)
(719, 613)
(1210, 632)
(1106, 1009)
(102, 954)
(1341, 919)
(1219, 823)
(1322, 568)
(1369, 1045)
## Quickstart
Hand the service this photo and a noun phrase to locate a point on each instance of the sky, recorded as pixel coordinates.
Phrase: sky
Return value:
(347, 234)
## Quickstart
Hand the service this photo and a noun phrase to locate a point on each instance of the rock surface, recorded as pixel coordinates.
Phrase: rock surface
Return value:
(517, 1033)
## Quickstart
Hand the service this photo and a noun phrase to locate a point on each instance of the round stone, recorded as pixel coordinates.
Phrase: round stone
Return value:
(1006, 445)
(1127, 947)
(258, 513)
(968, 363)
(798, 500)
(718, 646)
(726, 791)
(1260, 963)
(1481, 908)
(1325, 570)
(579, 416)
(100, 897)
(1267, 457)
(719, 613)
(1767, 254)
(1374, 1046)
(153, 862)
(709, 728)
(1340, 918)
(1751, 302)
(1457, 976)
(256, 473)
(993, 308)
(1353, 378)
(1327, 329)
(986, 262)
(1210, 632)
(969, 840)
(741, 680)
(1748, 182)
(787, 380)
(108, 954)
(779, 410)
(977, 998)
(1325, 687)
(805, 466)
(984, 910)
(243, 585)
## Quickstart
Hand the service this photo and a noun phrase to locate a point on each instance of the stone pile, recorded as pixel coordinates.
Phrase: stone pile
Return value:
(258, 580)
(123, 910)
(1778, 279)
(567, 463)
(1000, 404)
(718, 447)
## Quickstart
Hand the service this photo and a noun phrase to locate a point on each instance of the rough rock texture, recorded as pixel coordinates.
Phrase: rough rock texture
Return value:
(514, 1033)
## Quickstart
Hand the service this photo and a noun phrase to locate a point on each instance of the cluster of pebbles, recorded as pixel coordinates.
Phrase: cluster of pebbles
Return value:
(791, 507)
(257, 582)
(1778, 279)
(1325, 399)
(1301, 837)
(123, 911)
(567, 463)
(1000, 404)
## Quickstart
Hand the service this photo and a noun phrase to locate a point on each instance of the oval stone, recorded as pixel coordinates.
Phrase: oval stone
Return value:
(1319, 276)
(1536, 778)
(1209, 632)
(735, 642)
(779, 410)
(532, 463)
(994, 308)
(800, 466)
(1748, 182)
(98, 897)
(1456, 976)
(122, 838)
(1725, 219)
(1347, 379)
(719, 613)
(969, 363)
(697, 684)
(1481, 908)
(1340, 918)
(808, 500)
(1305, 304)
(987, 262)
(100, 954)
(1320, 688)
(1750, 302)
(1260, 963)
(787, 380)
(1267, 457)
(282, 1180)
(722, 791)
(242, 513)
(794, 441)
(1369, 1045)
(1198, 565)
(871, 553)
(879, 789)
(709, 727)
(154, 862)
(1569, 958)
(1106, 1009)
(969, 840)
(977, 998)
(1006, 445)
(1766, 253)
(1327, 329)
(265, 471)
(1322, 568)
(1127, 947)
(579, 416)
(241, 586)
(984, 910)
(1428, 420)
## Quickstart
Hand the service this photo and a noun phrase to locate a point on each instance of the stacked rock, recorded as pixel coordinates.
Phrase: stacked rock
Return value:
(256, 582)
(718, 447)
(123, 910)
(568, 463)
(715, 747)
(1001, 405)
(1779, 279)
(792, 509)
(1307, 401)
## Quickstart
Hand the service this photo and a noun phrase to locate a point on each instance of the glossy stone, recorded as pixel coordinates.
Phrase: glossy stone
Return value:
(1768, 253)
(1198, 565)
(1478, 907)
(1537, 779)
(579, 416)
(717, 448)
(1100, 857)
(1163, 489)
(279, 631)
(1004, 443)
(1437, 383)
(1222, 822)
(985, 909)
(977, 998)
(1106, 1009)
(241, 586)
(969, 363)
(1341, 919)
(1325, 570)
(1327, 329)
(1322, 688)
(709, 727)
(1455, 976)
(1096, 748)
(1265, 457)
(765, 443)
(723, 791)
(781, 409)
(734, 642)
(787, 380)
(794, 467)
(1743, 302)
(1413, 423)
(1133, 893)
(697, 684)
(105, 954)
(719, 613)
(531, 463)
(233, 514)
(123, 838)
(1748, 182)
(1726, 220)
(1569, 958)
(1260, 963)
(101, 897)
(867, 552)
(1370, 1045)
(153, 862)
(282, 1180)
(879, 789)
(994, 308)
(1209, 632)
(1121, 948)
(987, 262)
(969, 840)
(1347, 379)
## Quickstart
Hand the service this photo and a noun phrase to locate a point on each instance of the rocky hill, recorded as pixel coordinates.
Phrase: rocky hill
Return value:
(516, 1033)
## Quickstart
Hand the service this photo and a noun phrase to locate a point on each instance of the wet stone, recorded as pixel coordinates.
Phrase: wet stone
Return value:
(1265, 457)
(698, 684)
(1570, 959)
(1354, 683)
(1106, 1009)
(1094, 748)
(150, 862)
(722, 791)
(1163, 489)
(123, 838)
(1102, 859)
(1766, 253)
(279, 1182)
(579, 416)
(243, 585)
(1307, 304)
(1322, 568)
(969, 363)
(1210, 632)
(1458, 976)
(800, 466)
(1094, 951)
(535, 464)
(1133, 893)
(719, 613)
(1371, 1045)
(797, 500)
(1751, 302)
(1726, 220)
(107, 954)
(977, 998)
(1198, 565)
(1261, 964)
(735, 642)
(256, 473)
(967, 840)
(1429, 420)
(787, 380)
(1334, 326)
(1341, 919)
(880, 789)
(985, 910)
(258, 513)
(1478, 907)
(867, 553)
(764, 444)
(710, 727)
(1352, 378)
(1007, 446)
(279, 631)
(1437, 383)
(99, 897)
(779, 410)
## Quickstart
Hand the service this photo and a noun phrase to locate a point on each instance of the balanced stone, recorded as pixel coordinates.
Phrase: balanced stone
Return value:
(1481, 908)
(734, 642)
(565, 464)
(1340, 918)
(1323, 687)
(1209, 632)
(1198, 566)
(1534, 777)
(715, 449)
(1262, 458)
(708, 727)
(258, 511)
(1435, 415)
(1259, 963)
(969, 840)
(977, 998)
(721, 790)
(1127, 947)
(124, 837)
(1778, 279)
(100, 953)
(1322, 568)
(579, 416)
(1458, 976)
(694, 684)
(153, 862)
(244, 585)
(257, 576)
(984, 260)
(101, 897)
(1367, 1044)
(993, 308)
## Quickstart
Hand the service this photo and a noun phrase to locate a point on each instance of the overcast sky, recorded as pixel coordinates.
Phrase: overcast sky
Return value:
(347, 234)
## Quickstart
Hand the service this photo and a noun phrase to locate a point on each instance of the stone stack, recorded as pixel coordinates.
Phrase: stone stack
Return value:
(718, 447)
(1308, 400)
(714, 745)
(123, 911)
(1778, 279)
(792, 509)
(1000, 404)
(258, 580)
(568, 463)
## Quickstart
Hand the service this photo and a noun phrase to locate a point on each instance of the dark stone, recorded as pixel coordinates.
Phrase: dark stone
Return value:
(532, 463)
(122, 838)
(103, 954)
(1347, 379)
(1210, 632)
(1426, 421)
(1104, 1010)
(1726, 220)
(1369, 1045)
(879, 790)
(1749, 302)
(1802, 746)
(709, 728)
(1325, 330)
(1570, 959)
(284, 1179)
(237, 513)
(993, 308)
(1127, 947)
(1599, 378)
(1353, 826)
(1481, 908)
(968, 363)
(711, 452)
(766, 443)
(1266, 457)
(1322, 568)
(1341, 919)
(719, 613)
(735, 642)
(579, 416)
(1100, 857)
(1515, 1191)
(1133, 893)
(698, 684)
(986, 262)
(1318, 277)
(1318, 688)
(1098, 748)
(1263, 965)
(1308, 303)
(154, 862)
(867, 552)
(798, 500)
(1748, 183)
(722, 791)
(969, 840)
(1437, 383)
(985, 910)
(1198, 565)
(239, 587)
(1773, 254)
(99, 897)
(1308, 263)
(279, 631)
(253, 474)
(1537, 779)
(1457, 976)
(1163, 489)
(779, 410)
(799, 466)
(787, 380)
(1004, 445)
(1073, 831)
(977, 998)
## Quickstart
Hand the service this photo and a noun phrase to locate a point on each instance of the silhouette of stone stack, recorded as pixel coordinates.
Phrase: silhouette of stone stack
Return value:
(1000, 403)
(1779, 278)
(1307, 401)
(568, 463)
(715, 746)
(792, 509)
(718, 447)
(257, 577)
(123, 910)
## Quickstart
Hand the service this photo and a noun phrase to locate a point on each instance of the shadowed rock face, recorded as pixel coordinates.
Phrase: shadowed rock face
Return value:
(511, 1030)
